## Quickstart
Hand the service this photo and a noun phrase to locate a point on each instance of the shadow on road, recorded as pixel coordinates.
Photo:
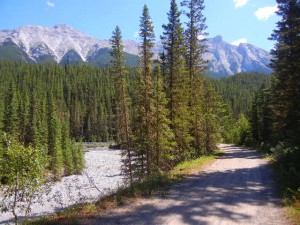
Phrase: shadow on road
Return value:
(238, 152)
(215, 194)
(235, 195)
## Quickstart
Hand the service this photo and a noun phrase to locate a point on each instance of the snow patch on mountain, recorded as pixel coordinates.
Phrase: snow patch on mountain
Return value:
(230, 59)
(57, 41)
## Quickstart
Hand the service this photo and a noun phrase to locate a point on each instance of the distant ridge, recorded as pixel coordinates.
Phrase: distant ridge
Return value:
(66, 45)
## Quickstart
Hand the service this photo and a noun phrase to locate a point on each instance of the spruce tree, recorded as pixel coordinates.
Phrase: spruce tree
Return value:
(164, 143)
(211, 110)
(145, 132)
(68, 160)
(255, 119)
(261, 116)
(177, 80)
(122, 103)
(78, 156)
(51, 125)
(196, 65)
(41, 128)
(31, 132)
(54, 139)
(22, 117)
(286, 64)
(286, 89)
(195, 38)
(10, 118)
(57, 161)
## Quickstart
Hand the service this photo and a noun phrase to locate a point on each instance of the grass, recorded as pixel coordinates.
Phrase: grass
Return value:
(291, 197)
(293, 209)
(73, 215)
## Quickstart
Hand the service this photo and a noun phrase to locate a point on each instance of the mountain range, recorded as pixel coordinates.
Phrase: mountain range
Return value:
(66, 45)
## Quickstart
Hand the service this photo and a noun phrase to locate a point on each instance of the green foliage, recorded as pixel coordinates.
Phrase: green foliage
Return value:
(246, 94)
(242, 130)
(10, 51)
(10, 118)
(176, 79)
(212, 110)
(71, 57)
(164, 142)
(235, 131)
(103, 58)
(286, 64)
(159, 117)
(275, 112)
(227, 129)
(287, 173)
(122, 103)
(238, 91)
(195, 28)
(56, 163)
(47, 106)
(78, 157)
(24, 171)
(261, 117)
(144, 111)
(68, 160)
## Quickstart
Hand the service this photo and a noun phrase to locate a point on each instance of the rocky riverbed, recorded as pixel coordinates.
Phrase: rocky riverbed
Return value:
(100, 177)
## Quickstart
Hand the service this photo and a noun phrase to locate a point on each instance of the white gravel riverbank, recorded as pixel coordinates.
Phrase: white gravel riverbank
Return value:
(100, 177)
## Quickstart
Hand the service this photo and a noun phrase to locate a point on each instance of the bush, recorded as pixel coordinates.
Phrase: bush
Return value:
(24, 172)
(287, 159)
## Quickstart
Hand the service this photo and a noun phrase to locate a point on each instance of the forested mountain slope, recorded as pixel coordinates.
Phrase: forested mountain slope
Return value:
(239, 90)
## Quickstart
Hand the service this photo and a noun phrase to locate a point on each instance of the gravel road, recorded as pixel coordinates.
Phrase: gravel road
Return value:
(236, 189)
(100, 177)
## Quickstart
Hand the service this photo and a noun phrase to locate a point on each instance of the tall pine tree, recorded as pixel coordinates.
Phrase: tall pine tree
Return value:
(144, 123)
(164, 143)
(122, 103)
(195, 38)
(286, 64)
(196, 65)
(10, 118)
(177, 80)
(54, 139)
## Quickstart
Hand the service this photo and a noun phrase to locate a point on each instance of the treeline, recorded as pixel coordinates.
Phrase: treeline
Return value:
(51, 107)
(238, 91)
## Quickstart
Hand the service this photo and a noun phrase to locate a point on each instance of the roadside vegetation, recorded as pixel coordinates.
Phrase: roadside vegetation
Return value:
(275, 114)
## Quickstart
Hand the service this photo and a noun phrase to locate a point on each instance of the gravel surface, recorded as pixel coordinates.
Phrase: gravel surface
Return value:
(238, 188)
(101, 176)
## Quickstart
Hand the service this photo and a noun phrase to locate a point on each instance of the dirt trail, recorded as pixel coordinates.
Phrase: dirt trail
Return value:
(236, 189)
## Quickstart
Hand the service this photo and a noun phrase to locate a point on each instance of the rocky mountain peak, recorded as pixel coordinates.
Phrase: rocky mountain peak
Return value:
(63, 27)
(217, 39)
(64, 43)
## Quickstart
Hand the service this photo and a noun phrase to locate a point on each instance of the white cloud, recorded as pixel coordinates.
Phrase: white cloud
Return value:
(50, 4)
(266, 12)
(239, 41)
(201, 37)
(136, 34)
(240, 3)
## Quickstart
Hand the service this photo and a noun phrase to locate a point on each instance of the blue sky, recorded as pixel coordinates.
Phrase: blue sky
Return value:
(250, 21)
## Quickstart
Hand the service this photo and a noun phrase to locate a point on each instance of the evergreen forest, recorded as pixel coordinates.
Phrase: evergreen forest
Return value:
(163, 111)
